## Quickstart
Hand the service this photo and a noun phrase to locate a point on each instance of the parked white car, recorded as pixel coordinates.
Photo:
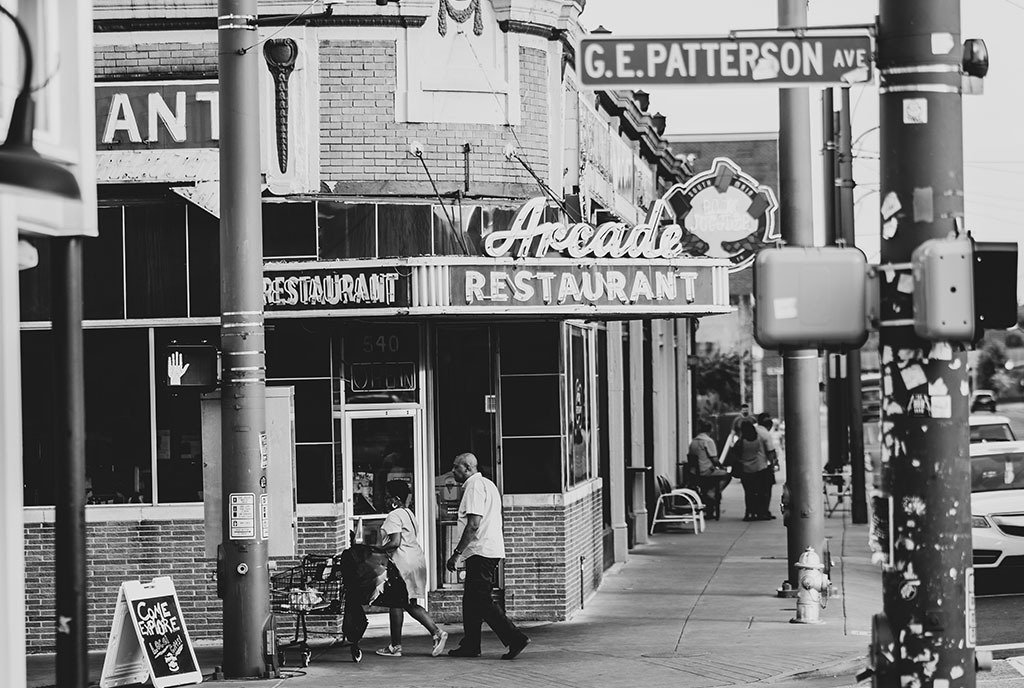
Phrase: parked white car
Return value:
(989, 427)
(997, 506)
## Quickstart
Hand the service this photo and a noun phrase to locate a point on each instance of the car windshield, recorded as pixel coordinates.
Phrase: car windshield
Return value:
(997, 472)
(991, 433)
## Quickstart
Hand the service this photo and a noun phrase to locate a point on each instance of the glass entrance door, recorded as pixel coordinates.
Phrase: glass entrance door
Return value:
(382, 445)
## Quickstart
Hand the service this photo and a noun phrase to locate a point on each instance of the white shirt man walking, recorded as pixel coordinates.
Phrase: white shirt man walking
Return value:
(482, 545)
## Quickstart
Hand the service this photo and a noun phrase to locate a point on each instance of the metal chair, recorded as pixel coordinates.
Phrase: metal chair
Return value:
(679, 505)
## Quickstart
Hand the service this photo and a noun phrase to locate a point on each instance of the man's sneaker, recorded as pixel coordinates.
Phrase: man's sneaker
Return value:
(390, 651)
(515, 648)
(357, 654)
(439, 640)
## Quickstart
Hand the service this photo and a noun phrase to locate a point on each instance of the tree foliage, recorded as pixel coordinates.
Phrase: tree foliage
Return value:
(717, 380)
(991, 369)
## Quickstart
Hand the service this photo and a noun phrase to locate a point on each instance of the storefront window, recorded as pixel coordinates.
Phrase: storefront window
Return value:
(155, 261)
(380, 363)
(531, 433)
(299, 356)
(465, 417)
(580, 411)
(475, 221)
(117, 425)
(346, 230)
(383, 449)
(203, 262)
(103, 268)
(289, 231)
(403, 230)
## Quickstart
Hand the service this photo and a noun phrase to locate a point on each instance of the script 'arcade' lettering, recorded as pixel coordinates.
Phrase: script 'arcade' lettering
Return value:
(528, 236)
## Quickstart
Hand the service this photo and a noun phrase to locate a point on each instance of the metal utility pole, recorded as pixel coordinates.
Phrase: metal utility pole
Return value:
(244, 578)
(926, 635)
(851, 390)
(800, 366)
(835, 395)
(69, 455)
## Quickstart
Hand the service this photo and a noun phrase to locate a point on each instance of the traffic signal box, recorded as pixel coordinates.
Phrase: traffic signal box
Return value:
(820, 297)
(810, 297)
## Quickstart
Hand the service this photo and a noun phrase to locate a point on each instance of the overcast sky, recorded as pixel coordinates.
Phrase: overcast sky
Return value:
(993, 122)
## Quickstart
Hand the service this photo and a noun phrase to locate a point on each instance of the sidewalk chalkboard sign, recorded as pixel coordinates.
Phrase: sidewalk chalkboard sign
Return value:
(148, 639)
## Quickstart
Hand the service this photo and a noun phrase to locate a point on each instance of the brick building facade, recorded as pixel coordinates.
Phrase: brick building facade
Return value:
(404, 335)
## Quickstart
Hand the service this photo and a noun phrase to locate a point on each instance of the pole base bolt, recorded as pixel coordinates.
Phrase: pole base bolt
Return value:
(242, 569)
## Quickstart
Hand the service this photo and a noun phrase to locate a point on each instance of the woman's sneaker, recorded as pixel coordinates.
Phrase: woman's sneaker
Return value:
(390, 651)
(439, 641)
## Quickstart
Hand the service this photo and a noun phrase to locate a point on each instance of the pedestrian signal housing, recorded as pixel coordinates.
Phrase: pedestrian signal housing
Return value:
(808, 297)
(963, 287)
(943, 290)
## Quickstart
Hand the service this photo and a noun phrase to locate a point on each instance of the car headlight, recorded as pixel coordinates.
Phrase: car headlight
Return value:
(979, 522)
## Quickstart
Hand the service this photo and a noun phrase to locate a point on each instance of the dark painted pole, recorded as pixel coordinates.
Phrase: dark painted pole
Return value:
(836, 425)
(925, 636)
(800, 366)
(69, 464)
(851, 390)
(245, 580)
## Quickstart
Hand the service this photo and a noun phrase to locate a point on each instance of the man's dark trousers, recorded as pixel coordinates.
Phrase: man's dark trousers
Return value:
(478, 605)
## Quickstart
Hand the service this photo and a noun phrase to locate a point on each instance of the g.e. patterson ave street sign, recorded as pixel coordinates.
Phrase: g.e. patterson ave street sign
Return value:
(777, 59)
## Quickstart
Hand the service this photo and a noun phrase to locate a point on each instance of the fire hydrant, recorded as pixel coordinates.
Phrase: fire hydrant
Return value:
(811, 585)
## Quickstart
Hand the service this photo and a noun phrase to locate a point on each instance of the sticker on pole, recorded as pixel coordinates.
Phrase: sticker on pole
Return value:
(969, 612)
(159, 650)
(242, 516)
(265, 516)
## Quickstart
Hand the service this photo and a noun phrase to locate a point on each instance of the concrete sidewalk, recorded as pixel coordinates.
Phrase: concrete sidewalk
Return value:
(686, 610)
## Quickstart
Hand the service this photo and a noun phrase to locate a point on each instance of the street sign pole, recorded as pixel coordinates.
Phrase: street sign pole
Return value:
(851, 390)
(803, 431)
(926, 635)
(245, 579)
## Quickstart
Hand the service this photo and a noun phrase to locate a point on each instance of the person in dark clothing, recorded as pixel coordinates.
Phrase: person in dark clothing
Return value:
(751, 460)
(711, 476)
(363, 572)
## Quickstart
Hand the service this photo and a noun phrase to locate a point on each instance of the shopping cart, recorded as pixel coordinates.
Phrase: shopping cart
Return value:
(312, 587)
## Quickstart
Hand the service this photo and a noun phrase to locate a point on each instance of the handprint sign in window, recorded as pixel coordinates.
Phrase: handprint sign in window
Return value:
(176, 368)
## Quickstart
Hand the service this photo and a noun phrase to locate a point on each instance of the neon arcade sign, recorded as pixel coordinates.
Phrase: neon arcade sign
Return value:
(721, 212)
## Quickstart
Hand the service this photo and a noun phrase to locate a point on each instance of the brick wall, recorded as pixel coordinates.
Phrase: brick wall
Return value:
(129, 550)
(178, 60)
(542, 571)
(543, 576)
(360, 141)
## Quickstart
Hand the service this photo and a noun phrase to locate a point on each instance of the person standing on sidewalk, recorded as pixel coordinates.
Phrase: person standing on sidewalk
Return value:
(766, 423)
(751, 460)
(402, 546)
(482, 545)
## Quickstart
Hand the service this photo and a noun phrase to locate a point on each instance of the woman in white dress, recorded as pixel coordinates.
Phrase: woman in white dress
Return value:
(401, 544)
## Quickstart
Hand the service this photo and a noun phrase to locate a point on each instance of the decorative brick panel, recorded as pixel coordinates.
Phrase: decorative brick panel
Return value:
(360, 140)
(147, 60)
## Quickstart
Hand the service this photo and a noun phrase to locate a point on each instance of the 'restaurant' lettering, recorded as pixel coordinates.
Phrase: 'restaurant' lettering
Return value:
(569, 287)
(320, 290)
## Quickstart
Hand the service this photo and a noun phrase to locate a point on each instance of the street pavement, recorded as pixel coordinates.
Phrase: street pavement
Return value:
(686, 610)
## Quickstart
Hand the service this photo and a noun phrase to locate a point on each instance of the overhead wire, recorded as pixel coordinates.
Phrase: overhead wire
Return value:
(300, 15)
(503, 111)
(444, 208)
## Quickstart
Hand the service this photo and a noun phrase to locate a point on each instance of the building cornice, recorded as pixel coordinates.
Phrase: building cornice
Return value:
(125, 25)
